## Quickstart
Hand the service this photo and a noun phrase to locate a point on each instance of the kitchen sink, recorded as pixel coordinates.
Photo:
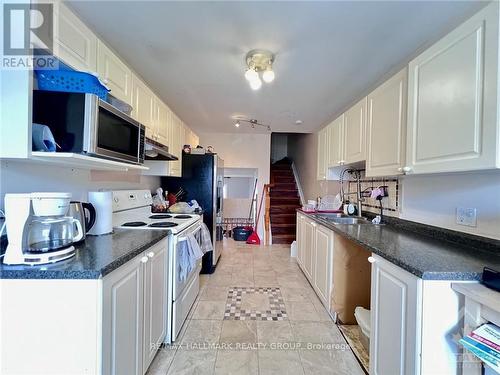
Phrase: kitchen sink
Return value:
(350, 220)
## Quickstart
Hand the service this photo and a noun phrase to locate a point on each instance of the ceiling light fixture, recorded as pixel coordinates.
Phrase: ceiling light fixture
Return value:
(252, 122)
(259, 61)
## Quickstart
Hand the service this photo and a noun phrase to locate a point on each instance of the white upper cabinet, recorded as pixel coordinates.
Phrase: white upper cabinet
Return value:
(164, 124)
(321, 170)
(336, 142)
(143, 101)
(116, 74)
(386, 127)
(76, 44)
(175, 146)
(355, 133)
(453, 100)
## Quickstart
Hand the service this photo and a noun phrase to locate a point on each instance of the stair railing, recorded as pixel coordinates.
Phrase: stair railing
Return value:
(297, 182)
(267, 213)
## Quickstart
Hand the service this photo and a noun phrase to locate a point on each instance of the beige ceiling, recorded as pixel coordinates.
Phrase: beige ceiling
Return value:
(328, 54)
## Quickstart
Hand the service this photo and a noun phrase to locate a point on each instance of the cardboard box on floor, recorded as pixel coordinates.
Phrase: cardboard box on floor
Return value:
(351, 279)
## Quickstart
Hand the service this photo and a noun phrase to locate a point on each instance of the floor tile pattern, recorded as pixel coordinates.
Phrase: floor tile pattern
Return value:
(306, 342)
(274, 310)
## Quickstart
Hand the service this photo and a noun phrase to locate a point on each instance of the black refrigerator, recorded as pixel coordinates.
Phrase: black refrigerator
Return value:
(203, 179)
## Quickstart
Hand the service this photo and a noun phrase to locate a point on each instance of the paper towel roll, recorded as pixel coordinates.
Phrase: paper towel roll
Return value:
(103, 204)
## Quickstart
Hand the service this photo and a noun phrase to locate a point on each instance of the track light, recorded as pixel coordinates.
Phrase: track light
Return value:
(253, 123)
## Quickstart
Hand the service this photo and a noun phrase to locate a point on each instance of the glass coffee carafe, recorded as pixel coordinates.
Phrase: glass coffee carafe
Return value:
(52, 233)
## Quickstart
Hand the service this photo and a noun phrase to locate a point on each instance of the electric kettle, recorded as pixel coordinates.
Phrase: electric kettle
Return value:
(84, 213)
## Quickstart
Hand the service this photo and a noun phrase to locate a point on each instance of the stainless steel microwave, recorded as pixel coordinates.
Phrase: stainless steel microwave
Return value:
(83, 123)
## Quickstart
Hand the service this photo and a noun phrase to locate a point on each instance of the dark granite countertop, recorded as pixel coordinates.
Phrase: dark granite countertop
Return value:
(423, 252)
(95, 258)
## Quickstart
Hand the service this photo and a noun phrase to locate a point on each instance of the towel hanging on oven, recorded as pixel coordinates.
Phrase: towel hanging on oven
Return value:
(206, 243)
(189, 253)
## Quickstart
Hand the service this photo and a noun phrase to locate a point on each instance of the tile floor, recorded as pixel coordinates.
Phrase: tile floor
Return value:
(305, 341)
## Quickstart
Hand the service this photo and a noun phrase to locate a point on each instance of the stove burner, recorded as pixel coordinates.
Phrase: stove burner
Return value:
(183, 217)
(160, 216)
(163, 224)
(134, 224)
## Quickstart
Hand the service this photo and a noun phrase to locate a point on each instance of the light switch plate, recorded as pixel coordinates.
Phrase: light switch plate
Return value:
(467, 216)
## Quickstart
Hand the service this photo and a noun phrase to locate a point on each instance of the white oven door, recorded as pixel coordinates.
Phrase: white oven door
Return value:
(180, 285)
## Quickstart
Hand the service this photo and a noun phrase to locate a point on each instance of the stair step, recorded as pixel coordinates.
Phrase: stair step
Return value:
(282, 179)
(285, 193)
(283, 229)
(284, 186)
(283, 218)
(284, 209)
(285, 201)
(283, 238)
(282, 172)
(281, 167)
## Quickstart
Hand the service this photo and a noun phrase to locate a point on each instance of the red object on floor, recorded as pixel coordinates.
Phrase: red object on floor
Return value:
(254, 238)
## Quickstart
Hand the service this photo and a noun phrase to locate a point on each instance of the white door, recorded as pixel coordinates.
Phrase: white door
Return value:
(309, 245)
(123, 309)
(453, 99)
(322, 154)
(117, 75)
(144, 106)
(323, 263)
(336, 142)
(355, 133)
(76, 43)
(155, 300)
(395, 305)
(386, 127)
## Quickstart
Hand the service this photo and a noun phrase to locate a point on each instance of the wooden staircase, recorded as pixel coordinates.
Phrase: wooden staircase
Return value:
(283, 202)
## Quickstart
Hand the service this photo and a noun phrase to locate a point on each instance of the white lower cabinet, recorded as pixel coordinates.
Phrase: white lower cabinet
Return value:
(413, 323)
(395, 300)
(155, 304)
(323, 262)
(300, 239)
(123, 309)
(309, 247)
(315, 256)
(134, 312)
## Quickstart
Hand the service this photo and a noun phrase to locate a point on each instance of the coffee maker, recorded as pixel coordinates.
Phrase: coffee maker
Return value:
(38, 228)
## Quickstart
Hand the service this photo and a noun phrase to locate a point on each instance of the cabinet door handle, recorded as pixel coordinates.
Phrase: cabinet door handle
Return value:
(151, 254)
(407, 169)
(371, 259)
(144, 259)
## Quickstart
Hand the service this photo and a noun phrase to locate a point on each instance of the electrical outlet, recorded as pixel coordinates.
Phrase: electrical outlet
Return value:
(466, 216)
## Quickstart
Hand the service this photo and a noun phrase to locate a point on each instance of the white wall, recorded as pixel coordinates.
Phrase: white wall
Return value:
(279, 146)
(433, 200)
(24, 176)
(302, 149)
(243, 150)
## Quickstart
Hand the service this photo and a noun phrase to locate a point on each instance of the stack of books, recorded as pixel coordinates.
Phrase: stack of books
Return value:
(484, 342)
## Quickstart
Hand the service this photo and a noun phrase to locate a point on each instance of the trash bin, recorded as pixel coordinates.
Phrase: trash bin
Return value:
(241, 233)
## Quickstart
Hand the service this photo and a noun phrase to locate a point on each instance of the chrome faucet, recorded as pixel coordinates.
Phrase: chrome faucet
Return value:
(359, 197)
